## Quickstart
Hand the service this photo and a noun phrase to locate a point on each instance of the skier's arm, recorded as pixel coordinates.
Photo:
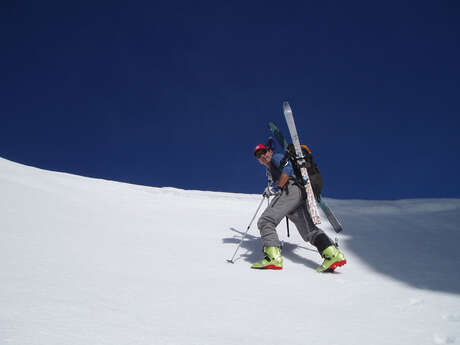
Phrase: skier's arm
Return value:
(283, 179)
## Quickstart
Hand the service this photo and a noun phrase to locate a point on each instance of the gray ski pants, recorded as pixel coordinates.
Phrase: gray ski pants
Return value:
(289, 203)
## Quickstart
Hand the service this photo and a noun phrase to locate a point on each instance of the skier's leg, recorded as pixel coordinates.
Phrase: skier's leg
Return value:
(333, 258)
(272, 216)
(307, 229)
(279, 207)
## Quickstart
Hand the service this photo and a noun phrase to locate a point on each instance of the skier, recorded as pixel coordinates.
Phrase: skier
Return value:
(289, 201)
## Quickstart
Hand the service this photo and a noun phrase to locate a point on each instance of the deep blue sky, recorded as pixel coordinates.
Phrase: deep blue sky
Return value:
(178, 93)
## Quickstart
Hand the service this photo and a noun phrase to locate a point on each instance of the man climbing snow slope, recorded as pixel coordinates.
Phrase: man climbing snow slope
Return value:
(289, 201)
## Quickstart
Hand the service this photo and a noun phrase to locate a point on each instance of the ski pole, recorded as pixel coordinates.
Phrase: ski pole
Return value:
(247, 230)
(287, 225)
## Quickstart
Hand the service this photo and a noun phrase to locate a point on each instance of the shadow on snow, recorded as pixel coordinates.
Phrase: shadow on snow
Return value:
(251, 250)
(419, 248)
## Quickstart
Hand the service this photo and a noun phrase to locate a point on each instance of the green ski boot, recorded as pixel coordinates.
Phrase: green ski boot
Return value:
(272, 260)
(333, 258)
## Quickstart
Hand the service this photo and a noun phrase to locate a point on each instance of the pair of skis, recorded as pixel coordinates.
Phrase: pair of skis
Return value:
(311, 200)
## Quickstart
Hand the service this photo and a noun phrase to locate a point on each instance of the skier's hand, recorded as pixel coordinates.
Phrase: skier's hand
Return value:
(271, 191)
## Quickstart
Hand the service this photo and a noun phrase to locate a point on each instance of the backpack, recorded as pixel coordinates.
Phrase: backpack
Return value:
(314, 174)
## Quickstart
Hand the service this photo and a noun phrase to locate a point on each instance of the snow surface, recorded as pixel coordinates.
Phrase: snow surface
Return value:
(88, 261)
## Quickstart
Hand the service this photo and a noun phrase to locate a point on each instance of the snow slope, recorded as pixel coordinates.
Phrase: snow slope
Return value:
(87, 261)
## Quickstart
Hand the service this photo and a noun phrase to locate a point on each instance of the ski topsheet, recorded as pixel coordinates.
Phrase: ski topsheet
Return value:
(279, 136)
(311, 201)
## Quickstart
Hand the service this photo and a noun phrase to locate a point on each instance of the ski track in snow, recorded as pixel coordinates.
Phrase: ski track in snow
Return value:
(89, 261)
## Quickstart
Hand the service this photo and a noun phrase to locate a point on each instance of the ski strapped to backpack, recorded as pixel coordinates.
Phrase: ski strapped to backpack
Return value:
(312, 170)
(294, 153)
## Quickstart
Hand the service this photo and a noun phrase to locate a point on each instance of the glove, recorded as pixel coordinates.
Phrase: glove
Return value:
(271, 191)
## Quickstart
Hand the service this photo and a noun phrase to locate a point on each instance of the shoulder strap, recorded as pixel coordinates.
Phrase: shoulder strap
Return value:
(283, 161)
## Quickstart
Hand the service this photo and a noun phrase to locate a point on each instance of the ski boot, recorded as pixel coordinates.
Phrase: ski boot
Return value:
(333, 258)
(272, 260)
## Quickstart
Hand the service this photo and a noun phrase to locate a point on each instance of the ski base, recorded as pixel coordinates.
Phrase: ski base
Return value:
(330, 216)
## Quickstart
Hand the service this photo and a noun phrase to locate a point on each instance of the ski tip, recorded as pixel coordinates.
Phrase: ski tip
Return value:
(230, 261)
(286, 106)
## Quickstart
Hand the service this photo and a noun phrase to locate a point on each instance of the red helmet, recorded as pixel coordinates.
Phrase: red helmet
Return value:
(260, 147)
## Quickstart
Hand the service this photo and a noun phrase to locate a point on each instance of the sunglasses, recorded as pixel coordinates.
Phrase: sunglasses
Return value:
(259, 153)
